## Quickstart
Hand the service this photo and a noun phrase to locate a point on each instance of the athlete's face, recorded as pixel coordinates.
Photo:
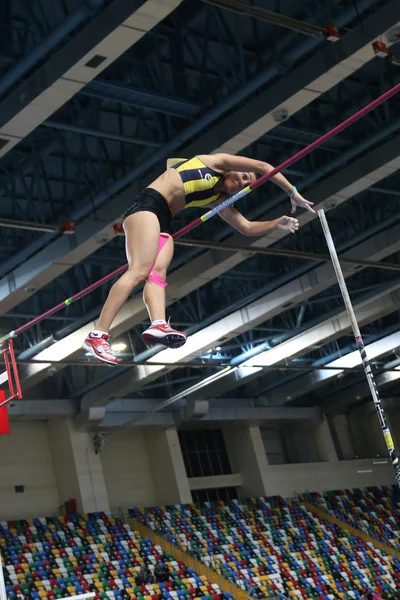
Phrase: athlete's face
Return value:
(234, 181)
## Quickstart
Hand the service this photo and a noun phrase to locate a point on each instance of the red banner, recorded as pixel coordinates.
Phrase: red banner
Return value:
(4, 426)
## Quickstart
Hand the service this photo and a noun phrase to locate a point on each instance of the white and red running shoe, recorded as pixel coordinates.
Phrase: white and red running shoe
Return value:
(98, 346)
(162, 333)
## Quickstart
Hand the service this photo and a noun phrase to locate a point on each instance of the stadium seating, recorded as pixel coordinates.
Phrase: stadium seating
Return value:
(273, 543)
(53, 558)
(374, 510)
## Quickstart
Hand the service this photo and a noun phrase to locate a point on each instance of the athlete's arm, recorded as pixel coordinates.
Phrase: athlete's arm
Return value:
(229, 162)
(257, 228)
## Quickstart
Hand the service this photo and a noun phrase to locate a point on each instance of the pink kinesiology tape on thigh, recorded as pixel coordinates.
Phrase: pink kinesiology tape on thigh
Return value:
(153, 275)
(157, 280)
(161, 242)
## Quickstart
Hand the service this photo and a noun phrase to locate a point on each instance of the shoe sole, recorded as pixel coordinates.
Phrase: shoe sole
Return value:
(170, 340)
(89, 349)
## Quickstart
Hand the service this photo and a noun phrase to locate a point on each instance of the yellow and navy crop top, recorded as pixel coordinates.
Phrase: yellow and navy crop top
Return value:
(198, 180)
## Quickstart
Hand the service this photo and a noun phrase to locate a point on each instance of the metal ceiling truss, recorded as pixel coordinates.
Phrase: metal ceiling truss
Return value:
(124, 410)
(352, 44)
(351, 390)
(317, 356)
(211, 264)
(105, 37)
(109, 136)
(332, 329)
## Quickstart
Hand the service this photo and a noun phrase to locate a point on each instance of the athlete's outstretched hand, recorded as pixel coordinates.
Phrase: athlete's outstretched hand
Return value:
(288, 224)
(298, 200)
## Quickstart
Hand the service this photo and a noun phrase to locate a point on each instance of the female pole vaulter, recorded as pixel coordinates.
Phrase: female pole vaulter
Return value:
(202, 181)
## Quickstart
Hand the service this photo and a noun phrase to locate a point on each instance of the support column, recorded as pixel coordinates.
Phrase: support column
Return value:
(167, 466)
(247, 455)
(367, 431)
(78, 469)
(324, 443)
(342, 430)
(360, 434)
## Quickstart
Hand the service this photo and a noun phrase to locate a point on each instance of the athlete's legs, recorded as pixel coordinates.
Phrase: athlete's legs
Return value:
(149, 256)
(154, 293)
(142, 232)
(159, 331)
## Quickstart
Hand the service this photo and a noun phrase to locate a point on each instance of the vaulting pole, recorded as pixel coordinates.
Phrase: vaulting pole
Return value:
(394, 456)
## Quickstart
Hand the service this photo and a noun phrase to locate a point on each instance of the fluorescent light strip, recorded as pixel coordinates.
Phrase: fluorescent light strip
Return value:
(353, 359)
(201, 384)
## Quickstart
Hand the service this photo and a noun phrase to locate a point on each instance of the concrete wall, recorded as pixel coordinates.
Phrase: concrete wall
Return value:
(127, 471)
(56, 462)
(286, 480)
(215, 481)
(78, 469)
(26, 459)
(167, 467)
(245, 458)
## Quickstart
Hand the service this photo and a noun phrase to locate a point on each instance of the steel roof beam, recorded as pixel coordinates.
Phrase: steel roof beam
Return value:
(108, 35)
(354, 392)
(175, 107)
(331, 65)
(268, 16)
(215, 415)
(107, 135)
(369, 310)
(121, 412)
(55, 37)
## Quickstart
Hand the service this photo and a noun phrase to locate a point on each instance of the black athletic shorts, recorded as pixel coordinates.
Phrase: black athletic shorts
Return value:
(152, 201)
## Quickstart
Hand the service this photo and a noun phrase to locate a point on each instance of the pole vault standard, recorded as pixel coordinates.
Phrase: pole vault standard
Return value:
(214, 211)
(394, 456)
